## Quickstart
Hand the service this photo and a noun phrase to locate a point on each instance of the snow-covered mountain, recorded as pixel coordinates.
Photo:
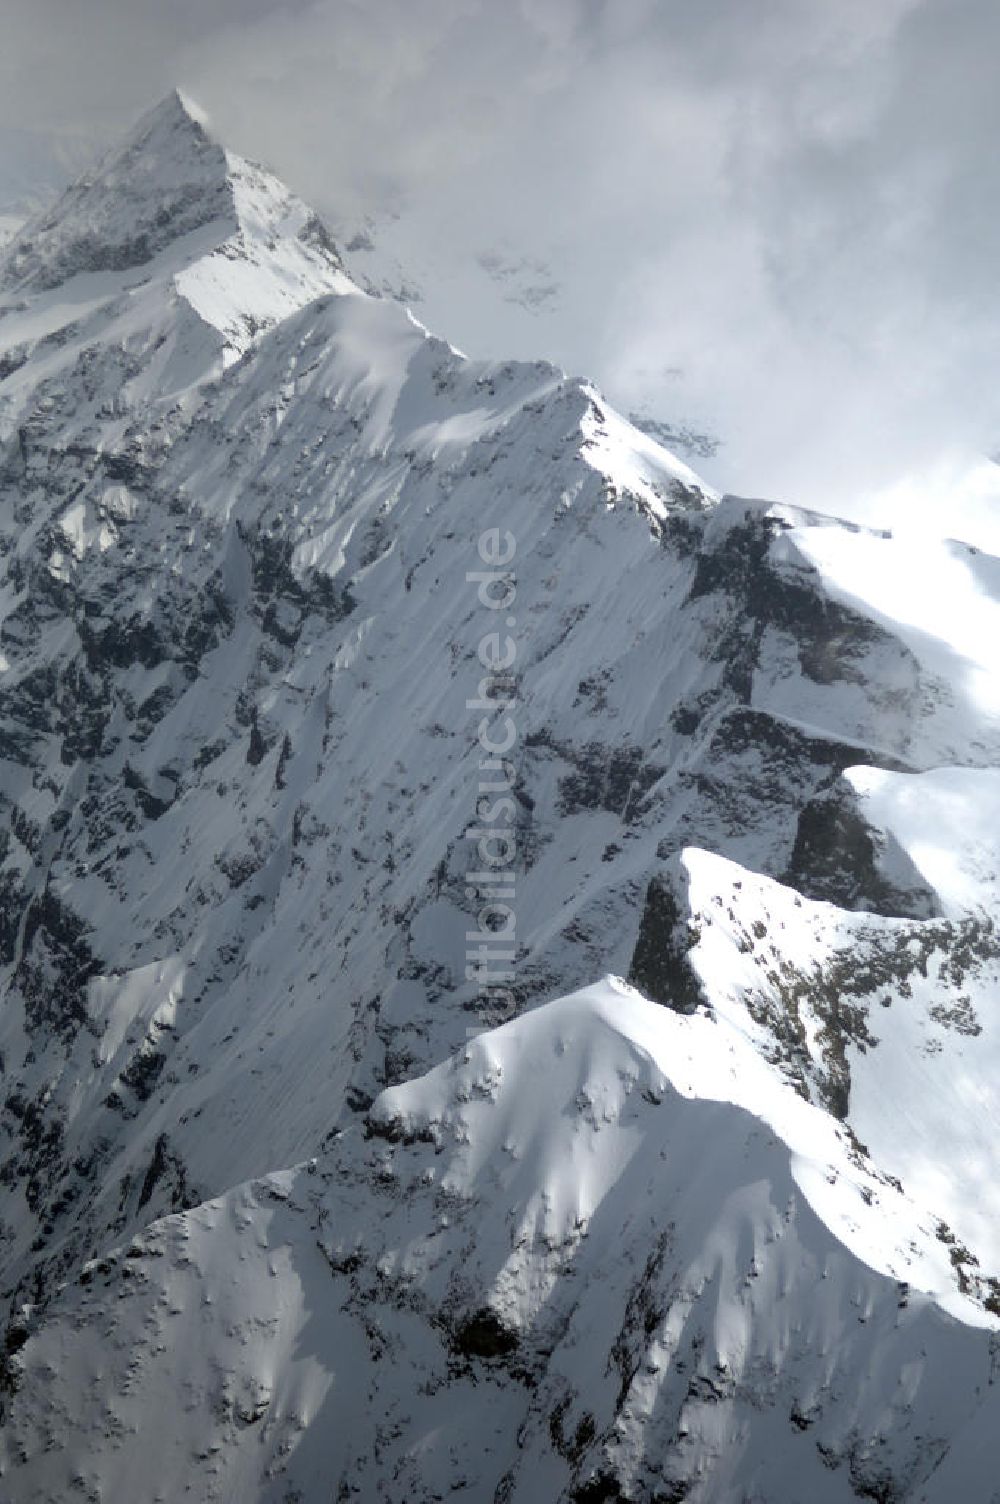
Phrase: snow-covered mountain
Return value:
(291, 1207)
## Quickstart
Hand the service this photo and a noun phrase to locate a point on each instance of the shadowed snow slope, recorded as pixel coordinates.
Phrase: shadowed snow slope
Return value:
(619, 1248)
(571, 1255)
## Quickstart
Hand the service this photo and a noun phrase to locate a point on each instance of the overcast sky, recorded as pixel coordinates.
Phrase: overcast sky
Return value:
(779, 219)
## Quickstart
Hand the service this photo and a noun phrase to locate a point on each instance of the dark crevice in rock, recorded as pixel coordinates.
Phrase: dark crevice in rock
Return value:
(660, 966)
(484, 1335)
(167, 1170)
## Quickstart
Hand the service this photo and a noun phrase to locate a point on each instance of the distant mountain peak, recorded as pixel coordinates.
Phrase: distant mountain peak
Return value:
(176, 110)
(188, 106)
(167, 178)
(172, 203)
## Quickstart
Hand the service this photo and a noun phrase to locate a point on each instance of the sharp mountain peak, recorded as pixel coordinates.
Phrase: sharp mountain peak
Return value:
(172, 208)
(169, 177)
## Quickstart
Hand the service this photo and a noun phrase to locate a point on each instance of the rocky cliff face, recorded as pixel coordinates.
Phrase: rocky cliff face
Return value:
(272, 557)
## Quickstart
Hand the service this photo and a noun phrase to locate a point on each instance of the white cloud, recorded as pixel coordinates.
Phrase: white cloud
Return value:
(789, 201)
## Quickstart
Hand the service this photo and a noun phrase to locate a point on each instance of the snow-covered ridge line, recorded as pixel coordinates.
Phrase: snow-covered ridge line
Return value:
(569, 1257)
(704, 1057)
(889, 1023)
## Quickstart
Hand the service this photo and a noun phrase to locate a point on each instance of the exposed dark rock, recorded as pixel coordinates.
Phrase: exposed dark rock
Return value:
(55, 966)
(660, 966)
(832, 640)
(484, 1335)
(166, 1170)
(836, 858)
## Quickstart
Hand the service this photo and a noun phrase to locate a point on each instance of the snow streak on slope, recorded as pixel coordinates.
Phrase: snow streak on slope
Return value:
(571, 1255)
(238, 776)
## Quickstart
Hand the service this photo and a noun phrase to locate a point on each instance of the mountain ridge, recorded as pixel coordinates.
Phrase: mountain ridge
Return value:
(242, 512)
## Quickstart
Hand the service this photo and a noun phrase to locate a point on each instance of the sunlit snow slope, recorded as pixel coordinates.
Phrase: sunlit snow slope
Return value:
(730, 1225)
